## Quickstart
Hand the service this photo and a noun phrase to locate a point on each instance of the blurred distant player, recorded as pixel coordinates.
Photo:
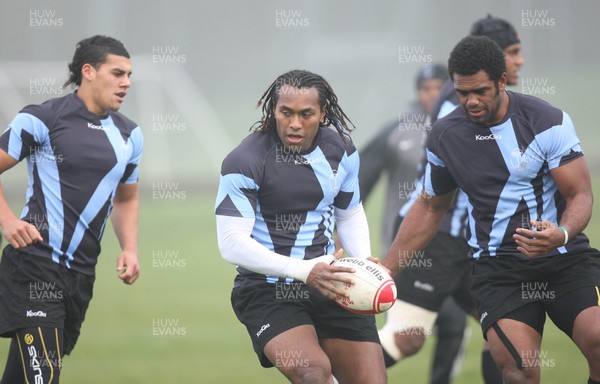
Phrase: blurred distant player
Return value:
(421, 291)
(396, 151)
(82, 158)
(282, 193)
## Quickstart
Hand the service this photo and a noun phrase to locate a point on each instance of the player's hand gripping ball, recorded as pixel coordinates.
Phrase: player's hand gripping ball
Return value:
(373, 291)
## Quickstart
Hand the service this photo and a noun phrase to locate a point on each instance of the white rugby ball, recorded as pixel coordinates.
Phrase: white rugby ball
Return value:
(373, 291)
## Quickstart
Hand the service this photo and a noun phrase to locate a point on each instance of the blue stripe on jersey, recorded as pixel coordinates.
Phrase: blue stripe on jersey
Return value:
(330, 184)
(446, 108)
(261, 231)
(54, 211)
(471, 223)
(233, 185)
(136, 138)
(514, 189)
(558, 142)
(524, 164)
(434, 159)
(25, 122)
(457, 214)
(413, 196)
(350, 165)
(106, 189)
(44, 160)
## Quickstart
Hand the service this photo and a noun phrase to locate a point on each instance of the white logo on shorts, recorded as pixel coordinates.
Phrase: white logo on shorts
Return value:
(424, 286)
(262, 329)
(30, 313)
(483, 316)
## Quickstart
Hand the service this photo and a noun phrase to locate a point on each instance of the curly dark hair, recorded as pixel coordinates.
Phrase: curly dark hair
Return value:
(328, 101)
(474, 53)
(93, 51)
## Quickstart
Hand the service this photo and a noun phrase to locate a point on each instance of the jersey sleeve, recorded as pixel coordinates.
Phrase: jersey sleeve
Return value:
(561, 143)
(131, 171)
(349, 194)
(238, 190)
(24, 134)
(437, 180)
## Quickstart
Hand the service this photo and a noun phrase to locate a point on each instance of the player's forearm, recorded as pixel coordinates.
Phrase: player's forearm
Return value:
(124, 219)
(417, 229)
(574, 184)
(577, 213)
(6, 214)
(353, 231)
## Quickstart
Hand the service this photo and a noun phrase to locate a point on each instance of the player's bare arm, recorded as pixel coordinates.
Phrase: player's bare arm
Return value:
(124, 218)
(417, 229)
(16, 231)
(573, 182)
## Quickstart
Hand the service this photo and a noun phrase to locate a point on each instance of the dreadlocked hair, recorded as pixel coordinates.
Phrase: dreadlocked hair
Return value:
(328, 101)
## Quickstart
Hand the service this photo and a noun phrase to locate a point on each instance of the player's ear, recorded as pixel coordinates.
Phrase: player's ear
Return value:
(87, 71)
(323, 113)
(502, 82)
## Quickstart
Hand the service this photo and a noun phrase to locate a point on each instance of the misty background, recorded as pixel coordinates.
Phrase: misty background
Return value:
(199, 67)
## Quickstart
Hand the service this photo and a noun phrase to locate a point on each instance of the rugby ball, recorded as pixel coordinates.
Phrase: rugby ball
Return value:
(373, 291)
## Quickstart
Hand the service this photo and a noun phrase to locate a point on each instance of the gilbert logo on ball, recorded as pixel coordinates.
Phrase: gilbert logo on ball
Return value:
(374, 290)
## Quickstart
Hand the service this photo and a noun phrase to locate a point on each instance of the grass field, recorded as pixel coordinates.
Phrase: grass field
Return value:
(175, 325)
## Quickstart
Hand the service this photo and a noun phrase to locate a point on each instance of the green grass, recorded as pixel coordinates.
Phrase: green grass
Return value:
(120, 345)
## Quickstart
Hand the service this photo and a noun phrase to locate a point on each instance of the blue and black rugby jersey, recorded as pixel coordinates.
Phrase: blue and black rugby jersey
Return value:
(290, 195)
(504, 170)
(75, 161)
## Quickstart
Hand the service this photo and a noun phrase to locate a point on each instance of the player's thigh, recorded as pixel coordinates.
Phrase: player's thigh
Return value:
(355, 361)
(515, 347)
(586, 334)
(77, 301)
(296, 352)
(577, 314)
(266, 317)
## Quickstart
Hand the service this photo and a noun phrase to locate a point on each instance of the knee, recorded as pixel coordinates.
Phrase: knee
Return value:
(308, 374)
(511, 374)
(371, 377)
(410, 341)
(591, 351)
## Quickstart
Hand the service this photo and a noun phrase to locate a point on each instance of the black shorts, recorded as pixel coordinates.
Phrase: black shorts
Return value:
(37, 292)
(268, 310)
(526, 290)
(439, 271)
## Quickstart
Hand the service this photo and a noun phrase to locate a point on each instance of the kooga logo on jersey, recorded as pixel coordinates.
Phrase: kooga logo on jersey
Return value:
(98, 127)
(492, 136)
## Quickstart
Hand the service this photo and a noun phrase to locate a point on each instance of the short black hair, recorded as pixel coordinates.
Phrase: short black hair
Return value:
(497, 29)
(475, 53)
(93, 51)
